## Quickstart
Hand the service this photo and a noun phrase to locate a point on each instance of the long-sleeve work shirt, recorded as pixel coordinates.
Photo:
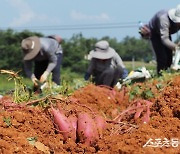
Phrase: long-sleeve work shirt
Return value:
(101, 65)
(161, 25)
(48, 51)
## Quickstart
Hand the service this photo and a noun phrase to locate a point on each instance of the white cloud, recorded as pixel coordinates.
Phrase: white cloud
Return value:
(27, 15)
(75, 15)
(22, 19)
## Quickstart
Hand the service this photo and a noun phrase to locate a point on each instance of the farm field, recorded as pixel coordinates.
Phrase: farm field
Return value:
(131, 65)
(9, 85)
(142, 117)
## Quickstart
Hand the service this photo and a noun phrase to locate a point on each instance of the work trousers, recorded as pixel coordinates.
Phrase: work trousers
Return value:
(163, 53)
(41, 66)
(108, 77)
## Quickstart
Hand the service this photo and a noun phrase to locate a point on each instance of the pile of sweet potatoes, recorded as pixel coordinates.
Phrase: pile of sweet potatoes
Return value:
(81, 128)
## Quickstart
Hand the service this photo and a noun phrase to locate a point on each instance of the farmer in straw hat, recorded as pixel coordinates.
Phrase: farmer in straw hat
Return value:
(46, 54)
(161, 26)
(106, 66)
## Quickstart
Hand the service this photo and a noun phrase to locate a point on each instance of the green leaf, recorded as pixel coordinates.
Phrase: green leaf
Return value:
(147, 94)
(159, 86)
(7, 121)
(134, 92)
(32, 140)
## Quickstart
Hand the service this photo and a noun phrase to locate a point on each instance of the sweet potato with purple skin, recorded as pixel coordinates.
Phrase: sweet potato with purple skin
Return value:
(101, 124)
(139, 110)
(64, 124)
(73, 121)
(146, 117)
(87, 129)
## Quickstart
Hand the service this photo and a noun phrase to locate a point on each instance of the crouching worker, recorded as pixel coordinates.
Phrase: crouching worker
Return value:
(106, 66)
(44, 54)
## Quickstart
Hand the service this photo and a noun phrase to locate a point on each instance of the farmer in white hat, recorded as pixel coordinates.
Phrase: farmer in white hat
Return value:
(162, 25)
(106, 66)
(46, 55)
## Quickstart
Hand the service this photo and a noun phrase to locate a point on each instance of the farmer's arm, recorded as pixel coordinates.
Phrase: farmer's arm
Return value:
(28, 68)
(165, 34)
(50, 48)
(90, 69)
(118, 60)
(120, 65)
(52, 58)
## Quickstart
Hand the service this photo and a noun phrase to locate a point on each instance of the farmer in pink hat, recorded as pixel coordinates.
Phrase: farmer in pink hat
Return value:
(45, 53)
(161, 26)
(106, 66)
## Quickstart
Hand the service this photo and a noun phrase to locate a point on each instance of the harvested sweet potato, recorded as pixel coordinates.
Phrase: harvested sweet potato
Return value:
(101, 124)
(64, 124)
(73, 121)
(87, 129)
(139, 110)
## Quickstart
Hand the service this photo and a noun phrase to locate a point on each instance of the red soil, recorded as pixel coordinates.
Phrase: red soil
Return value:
(18, 124)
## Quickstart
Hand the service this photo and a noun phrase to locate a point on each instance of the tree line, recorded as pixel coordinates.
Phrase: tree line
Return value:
(75, 49)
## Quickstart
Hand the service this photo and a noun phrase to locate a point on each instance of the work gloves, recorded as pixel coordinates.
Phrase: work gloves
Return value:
(87, 76)
(125, 73)
(44, 76)
(34, 80)
(175, 64)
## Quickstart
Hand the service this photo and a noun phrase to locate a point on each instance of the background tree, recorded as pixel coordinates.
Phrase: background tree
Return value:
(10, 48)
(75, 50)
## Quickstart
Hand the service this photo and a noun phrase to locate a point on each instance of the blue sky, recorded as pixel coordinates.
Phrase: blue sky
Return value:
(92, 18)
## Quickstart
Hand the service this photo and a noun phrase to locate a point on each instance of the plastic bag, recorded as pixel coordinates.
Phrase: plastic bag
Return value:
(176, 60)
(140, 73)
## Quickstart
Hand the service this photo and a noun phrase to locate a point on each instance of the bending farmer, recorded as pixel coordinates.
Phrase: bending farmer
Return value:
(106, 66)
(162, 25)
(46, 55)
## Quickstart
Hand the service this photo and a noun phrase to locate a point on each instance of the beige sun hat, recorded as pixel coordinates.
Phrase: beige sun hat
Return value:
(102, 50)
(174, 14)
(31, 47)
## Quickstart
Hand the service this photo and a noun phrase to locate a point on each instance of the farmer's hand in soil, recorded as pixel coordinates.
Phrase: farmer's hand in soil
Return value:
(44, 77)
(35, 81)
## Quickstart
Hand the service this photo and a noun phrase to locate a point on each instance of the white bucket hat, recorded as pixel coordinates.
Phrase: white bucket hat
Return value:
(102, 50)
(174, 14)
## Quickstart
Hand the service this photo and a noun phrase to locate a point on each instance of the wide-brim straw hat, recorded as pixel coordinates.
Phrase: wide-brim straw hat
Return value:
(174, 14)
(31, 47)
(102, 50)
